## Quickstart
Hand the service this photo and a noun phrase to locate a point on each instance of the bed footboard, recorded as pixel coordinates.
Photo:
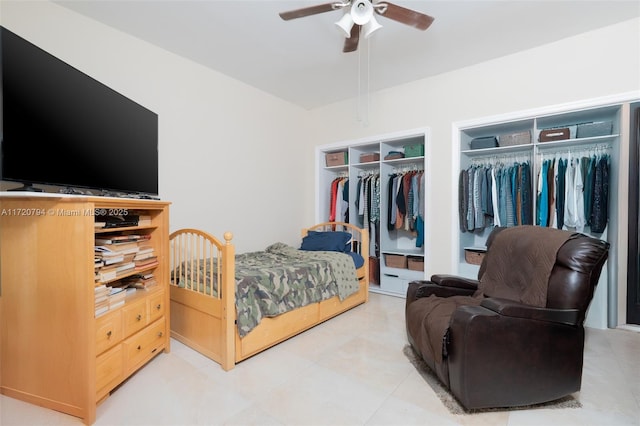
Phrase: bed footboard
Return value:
(203, 294)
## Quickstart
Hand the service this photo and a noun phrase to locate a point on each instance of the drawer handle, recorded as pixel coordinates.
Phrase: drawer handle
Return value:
(158, 307)
(160, 334)
(109, 334)
(139, 317)
(153, 351)
(139, 347)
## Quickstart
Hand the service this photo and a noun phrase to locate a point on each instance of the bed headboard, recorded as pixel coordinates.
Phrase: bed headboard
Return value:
(359, 236)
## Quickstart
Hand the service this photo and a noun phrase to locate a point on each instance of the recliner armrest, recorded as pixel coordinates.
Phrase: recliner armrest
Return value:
(419, 289)
(455, 281)
(515, 309)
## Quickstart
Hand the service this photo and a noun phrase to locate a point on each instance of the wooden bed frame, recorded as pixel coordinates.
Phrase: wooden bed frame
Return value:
(207, 323)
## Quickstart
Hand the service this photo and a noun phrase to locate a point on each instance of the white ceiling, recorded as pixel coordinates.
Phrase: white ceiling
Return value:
(302, 61)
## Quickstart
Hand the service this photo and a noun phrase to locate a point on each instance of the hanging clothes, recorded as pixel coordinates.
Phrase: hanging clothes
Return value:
(368, 205)
(487, 194)
(479, 205)
(340, 204)
(527, 194)
(508, 194)
(600, 207)
(401, 203)
(579, 189)
(406, 203)
(391, 202)
(463, 195)
(589, 185)
(470, 198)
(339, 200)
(560, 192)
(581, 192)
(420, 178)
(332, 202)
(495, 195)
(368, 199)
(552, 175)
(570, 202)
(543, 195)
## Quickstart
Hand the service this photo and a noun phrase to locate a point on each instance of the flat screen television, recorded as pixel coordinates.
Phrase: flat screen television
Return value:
(61, 127)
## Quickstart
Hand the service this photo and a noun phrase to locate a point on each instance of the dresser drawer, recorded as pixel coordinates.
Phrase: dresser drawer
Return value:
(109, 370)
(108, 331)
(140, 347)
(135, 317)
(156, 306)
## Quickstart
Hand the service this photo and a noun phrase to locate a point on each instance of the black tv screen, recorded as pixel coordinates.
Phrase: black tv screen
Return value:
(62, 127)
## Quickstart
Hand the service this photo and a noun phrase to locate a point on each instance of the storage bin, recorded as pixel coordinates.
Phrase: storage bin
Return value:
(395, 261)
(394, 155)
(549, 135)
(593, 129)
(511, 139)
(474, 256)
(415, 150)
(415, 263)
(368, 157)
(483, 142)
(337, 158)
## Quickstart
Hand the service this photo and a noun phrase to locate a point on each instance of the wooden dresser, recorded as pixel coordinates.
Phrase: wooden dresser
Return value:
(54, 350)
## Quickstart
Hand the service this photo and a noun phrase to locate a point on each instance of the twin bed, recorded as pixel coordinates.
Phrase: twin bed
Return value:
(230, 307)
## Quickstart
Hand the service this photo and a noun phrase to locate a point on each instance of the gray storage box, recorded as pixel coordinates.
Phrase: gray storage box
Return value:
(484, 142)
(518, 138)
(593, 129)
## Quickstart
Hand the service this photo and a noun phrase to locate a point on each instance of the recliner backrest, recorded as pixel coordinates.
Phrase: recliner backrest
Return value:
(575, 274)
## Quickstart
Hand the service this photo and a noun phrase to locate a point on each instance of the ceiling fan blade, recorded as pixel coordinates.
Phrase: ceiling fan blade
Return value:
(403, 15)
(307, 11)
(351, 43)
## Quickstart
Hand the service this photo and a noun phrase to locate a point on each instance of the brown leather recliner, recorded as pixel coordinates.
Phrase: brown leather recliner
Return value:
(514, 336)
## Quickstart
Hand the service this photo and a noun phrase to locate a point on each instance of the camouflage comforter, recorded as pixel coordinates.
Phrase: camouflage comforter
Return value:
(282, 278)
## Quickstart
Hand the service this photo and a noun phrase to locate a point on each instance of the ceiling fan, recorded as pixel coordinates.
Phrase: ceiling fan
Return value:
(360, 14)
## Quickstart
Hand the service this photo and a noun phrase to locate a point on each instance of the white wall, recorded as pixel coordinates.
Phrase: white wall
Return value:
(590, 65)
(230, 155)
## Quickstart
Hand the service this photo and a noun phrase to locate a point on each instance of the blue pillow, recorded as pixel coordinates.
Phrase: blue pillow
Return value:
(327, 241)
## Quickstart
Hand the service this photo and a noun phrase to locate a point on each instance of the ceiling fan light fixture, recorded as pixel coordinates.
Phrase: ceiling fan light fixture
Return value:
(370, 27)
(361, 12)
(345, 24)
(358, 18)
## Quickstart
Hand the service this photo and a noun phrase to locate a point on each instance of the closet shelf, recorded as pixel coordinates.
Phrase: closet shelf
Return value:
(498, 150)
(579, 142)
(406, 252)
(337, 168)
(406, 160)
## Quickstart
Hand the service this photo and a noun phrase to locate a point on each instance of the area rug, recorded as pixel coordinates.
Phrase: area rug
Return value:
(452, 403)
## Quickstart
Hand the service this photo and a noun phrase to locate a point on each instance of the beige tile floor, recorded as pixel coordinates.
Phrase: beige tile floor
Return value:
(348, 371)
